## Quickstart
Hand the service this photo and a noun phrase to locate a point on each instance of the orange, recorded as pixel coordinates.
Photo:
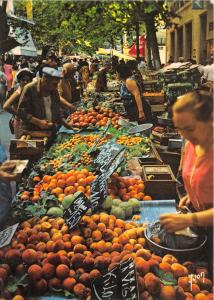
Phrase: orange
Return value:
(81, 189)
(36, 179)
(61, 183)
(145, 198)
(47, 178)
(57, 191)
(80, 176)
(69, 190)
(70, 180)
(84, 171)
(140, 187)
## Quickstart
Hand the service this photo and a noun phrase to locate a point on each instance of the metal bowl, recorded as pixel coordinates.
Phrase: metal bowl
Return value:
(143, 128)
(182, 254)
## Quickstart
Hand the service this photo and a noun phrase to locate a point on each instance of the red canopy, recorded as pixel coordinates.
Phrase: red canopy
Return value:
(133, 50)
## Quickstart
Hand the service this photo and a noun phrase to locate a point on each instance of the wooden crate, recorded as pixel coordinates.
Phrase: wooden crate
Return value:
(31, 150)
(152, 158)
(160, 181)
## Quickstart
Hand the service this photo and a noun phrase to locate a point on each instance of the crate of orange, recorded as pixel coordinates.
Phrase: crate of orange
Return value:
(127, 187)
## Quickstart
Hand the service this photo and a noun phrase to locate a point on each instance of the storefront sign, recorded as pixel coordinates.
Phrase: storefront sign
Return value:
(76, 211)
(7, 234)
(99, 191)
(119, 283)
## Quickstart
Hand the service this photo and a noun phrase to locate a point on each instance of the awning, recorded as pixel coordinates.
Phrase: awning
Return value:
(103, 51)
(133, 49)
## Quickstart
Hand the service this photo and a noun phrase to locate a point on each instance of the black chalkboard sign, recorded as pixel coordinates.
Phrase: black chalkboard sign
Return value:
(108, 153)
(99, 191)
(76, 211)
(106, 287)
(120, 283)
(128, 286)
(115, 163)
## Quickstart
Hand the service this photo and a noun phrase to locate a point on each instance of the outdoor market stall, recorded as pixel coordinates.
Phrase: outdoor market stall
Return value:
(84, 214)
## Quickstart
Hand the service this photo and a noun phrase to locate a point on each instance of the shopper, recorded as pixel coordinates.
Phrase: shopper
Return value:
(3, 87)
(137, 75)
(141, 65)
(23, 77)
(101, 82)
(130, 92)
(64, 87)
(85, 76)
(8, 68)
(39, 104)
(193, 116)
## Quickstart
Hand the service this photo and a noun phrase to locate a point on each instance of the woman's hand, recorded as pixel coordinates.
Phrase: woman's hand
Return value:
(174, 222)
(185, 201)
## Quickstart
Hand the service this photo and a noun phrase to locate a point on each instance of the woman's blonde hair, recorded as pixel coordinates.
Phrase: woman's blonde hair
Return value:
(199, 102)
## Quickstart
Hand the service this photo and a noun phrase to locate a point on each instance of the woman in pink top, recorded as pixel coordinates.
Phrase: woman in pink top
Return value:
(193, 117)
(8, 68)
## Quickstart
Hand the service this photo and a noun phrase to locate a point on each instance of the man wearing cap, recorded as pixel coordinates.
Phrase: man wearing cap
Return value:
(39, 104)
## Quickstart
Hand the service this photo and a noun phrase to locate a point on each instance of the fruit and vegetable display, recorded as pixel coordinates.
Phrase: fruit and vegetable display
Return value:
(88, 119)
(47, 256)
(44, 257)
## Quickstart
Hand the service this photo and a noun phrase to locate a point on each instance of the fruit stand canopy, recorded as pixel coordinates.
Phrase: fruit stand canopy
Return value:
(27, 48)
(103, 51)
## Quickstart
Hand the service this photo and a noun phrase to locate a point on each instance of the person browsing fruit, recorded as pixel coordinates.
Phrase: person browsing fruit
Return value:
(193, 117)
(39, 104)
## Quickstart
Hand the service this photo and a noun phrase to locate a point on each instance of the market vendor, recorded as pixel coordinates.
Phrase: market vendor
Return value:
(135, 105)
(64, 87)
(193, 117)
(39, 104)
(24, 76)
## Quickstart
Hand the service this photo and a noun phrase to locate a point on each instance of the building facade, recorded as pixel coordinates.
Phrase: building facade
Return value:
(191, 35)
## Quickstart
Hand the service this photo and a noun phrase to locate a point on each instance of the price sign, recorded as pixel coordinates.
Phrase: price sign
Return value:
(99, 191)
(119, 283)
(76, 211)
(106, 286)
(128, 287)
(7, 234)
(108, 153)
(115, 164)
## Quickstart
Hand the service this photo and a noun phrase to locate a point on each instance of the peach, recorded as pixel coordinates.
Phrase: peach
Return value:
(68, 246)
(137, 247)
(96, 235)
(76, 240)
(205, 284)
(88, 263)
(123, 239)
(117, 247)
(79, 248)
(167, 293)
(33, 239)
(3, 273)
(153, 263)
(95, 218)
(44, 236)
(142, 267)
(92, 225)
(53, 258)
(18, 297)
(120, 223)
(184, 282)
(166, 267)
(68, 284)
(80, 290)
(87, 232)
(179, 270)
(40, 286)
(48, 270)
(29, 256)
(66, 237)
(80, 271)
(35, 272)
(59, 245)
(13, 257)
(200, 296)
(141, 241)
(170, 259)
(54, 283)
(22, 237)
(101, 263)
(72, 273)
(77, 260)
(152, 283)
(85, 279)
(145, 296)
(141, 284)
(180, 295)
(64, 229)
(41, 246)
(145, 254)
(194, 289)
(94, 274)
(104, 218)
(108, 235)
(31, 246)
(157, 258)
(190, 266)
(62, 271)
(51, 246)
(62, 253)
(6, 267)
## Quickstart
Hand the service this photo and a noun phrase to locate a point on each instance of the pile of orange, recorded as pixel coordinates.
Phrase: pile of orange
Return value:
(61, 184)
(126, 188)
